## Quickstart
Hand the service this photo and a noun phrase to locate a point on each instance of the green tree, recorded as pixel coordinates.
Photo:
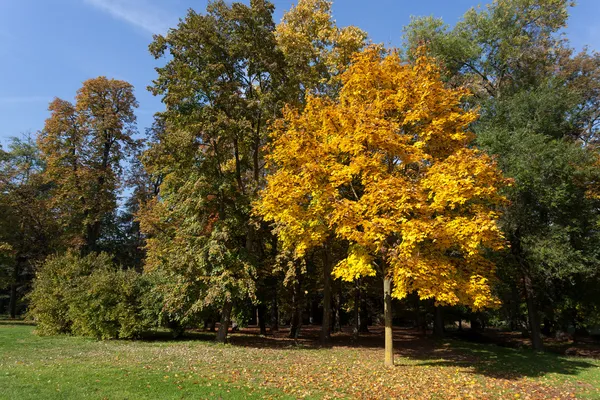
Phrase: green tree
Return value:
(224, 80)
(539, 117)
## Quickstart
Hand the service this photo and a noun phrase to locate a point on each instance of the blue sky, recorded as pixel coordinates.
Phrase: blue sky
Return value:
(49, 47)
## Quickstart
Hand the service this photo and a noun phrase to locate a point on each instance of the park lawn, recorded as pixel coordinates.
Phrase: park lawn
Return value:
(64, 367)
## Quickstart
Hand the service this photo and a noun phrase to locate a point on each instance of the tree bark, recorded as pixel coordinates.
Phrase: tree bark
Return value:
(13, 300)
(326, 323)
(364, 315)
(260, 316)
(296, 311)
(337, 325)
(534, 323)
(387, 312)
(438, 323)
(356, 327)
(225, 321)
(514, 308)
(274, 313)
(12, 305)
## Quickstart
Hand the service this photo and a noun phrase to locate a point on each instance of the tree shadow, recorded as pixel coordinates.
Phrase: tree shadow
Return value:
(488, 359)
(496, 361)
(17, 321)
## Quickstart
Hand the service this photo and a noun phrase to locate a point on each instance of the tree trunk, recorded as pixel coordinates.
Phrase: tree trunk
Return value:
(13, 300)
(274, 313)
(13, 291)
(420, 317)
(534, 323)
(514, 308)
(296, 310)
(438, 323)
(260, 316)
(337, 325)
(92, 236)
(356, 327)
(387, 312)
(225, 321)
(326, 323)
(364, 315)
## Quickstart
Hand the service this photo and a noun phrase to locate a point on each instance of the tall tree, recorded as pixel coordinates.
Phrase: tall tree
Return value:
(389, 168)
(223, 82)
(84, 146)
(539, 116)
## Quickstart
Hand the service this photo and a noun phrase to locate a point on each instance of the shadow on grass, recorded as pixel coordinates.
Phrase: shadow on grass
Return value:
(15, 321)
(489, 360)
(499, 362)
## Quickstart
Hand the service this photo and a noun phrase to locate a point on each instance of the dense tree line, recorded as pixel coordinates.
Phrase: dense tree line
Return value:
(297, 169)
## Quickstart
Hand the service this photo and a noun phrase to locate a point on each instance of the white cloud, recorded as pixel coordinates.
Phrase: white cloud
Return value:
(139, 13)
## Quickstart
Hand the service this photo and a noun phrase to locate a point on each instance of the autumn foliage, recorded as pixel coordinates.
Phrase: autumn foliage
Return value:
(389, 168)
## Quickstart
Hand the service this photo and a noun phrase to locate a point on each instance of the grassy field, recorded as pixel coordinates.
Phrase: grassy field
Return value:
(252, 367)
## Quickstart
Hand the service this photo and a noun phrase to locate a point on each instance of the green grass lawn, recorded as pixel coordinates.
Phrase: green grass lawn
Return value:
(63, 367)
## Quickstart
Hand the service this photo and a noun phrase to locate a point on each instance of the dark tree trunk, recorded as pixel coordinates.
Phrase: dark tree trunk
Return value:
(438, 322)
(337, 325)
(514, 309)
(274, 313)
(296, 308)
(261, 316)
(12, 305)
(13, 300)
(364, 315)
(225, 321)
(387, 312)
(92, 236)
(356, 327)
(534, 323)
(420, 317)
(326, 323)
(475, 325)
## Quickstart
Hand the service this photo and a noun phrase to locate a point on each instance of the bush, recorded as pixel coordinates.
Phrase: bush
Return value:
(89, 296)
(51, 295)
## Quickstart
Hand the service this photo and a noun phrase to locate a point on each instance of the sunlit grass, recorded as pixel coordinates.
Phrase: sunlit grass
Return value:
(63, 367)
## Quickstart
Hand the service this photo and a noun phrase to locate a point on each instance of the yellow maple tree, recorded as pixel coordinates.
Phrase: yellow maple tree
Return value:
(390, 167)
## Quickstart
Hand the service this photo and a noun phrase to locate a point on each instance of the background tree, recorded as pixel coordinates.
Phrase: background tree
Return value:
(84, 146)
(27, 229)
(541, 122)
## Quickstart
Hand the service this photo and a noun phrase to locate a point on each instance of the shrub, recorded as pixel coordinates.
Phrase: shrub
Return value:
(90, 296)
(51, 294)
